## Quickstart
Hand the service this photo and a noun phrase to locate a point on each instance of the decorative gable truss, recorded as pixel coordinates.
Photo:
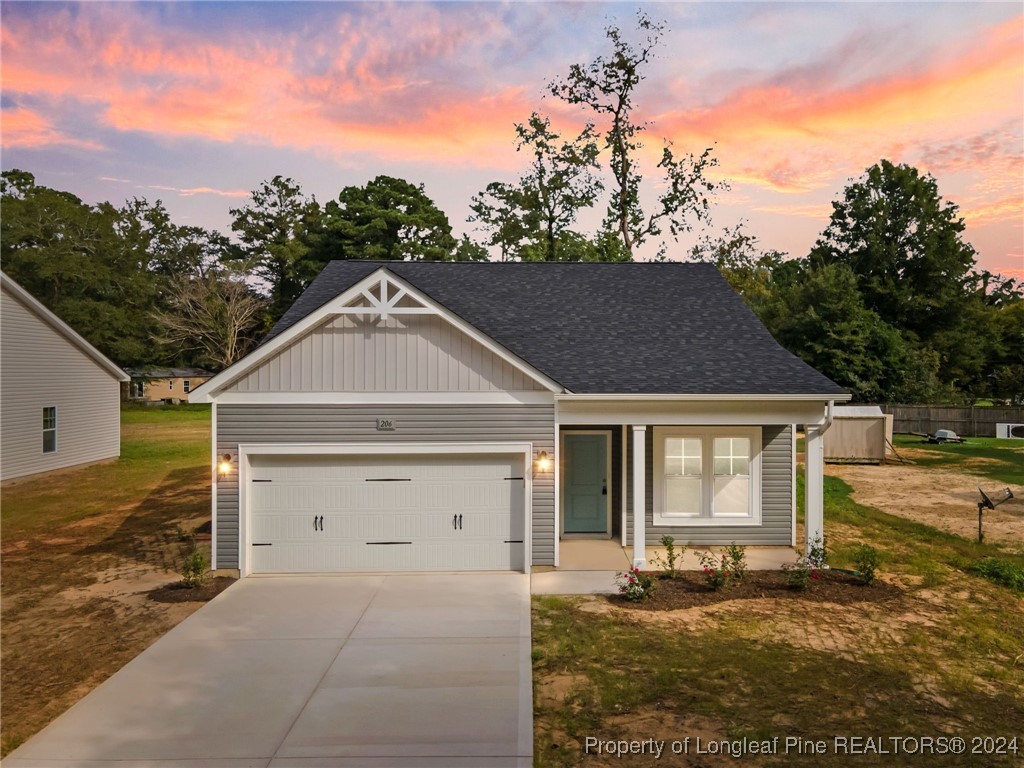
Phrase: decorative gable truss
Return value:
(384, 339)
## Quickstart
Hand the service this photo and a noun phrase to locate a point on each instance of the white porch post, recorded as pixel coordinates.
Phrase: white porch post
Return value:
(639, 497)
(814, 502)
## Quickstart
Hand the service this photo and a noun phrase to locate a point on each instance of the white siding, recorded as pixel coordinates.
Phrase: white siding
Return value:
(405, 353)
(40, 368)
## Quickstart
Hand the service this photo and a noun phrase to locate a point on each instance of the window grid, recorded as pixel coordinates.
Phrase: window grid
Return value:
(50, 429)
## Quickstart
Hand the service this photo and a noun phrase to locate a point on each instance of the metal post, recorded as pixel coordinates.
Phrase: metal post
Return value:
(981, 509)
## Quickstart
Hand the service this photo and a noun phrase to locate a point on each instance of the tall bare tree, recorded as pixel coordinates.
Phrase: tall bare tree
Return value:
(212, 317)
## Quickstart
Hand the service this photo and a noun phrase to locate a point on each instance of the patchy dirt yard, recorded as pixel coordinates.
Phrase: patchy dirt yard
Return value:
(82, 598)
(936, 496)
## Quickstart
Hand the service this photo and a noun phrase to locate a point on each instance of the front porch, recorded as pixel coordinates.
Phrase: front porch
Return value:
(590, 566)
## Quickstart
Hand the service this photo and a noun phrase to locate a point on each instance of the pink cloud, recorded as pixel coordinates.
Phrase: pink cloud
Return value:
(22, 127)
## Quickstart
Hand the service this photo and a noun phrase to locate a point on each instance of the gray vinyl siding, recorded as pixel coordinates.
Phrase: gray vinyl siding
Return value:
(42, 368)
(776, 499)
(357, 424)
(405, 353)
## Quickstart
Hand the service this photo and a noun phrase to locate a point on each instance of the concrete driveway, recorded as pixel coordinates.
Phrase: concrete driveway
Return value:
(318, 671)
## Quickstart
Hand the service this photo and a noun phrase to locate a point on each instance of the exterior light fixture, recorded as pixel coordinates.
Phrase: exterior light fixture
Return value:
(543, 462)
(225, 464)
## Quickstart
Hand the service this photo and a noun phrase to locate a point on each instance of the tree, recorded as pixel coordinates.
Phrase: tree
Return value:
(606, 86)
(211, 318)
(501, 210)
(387, 219)
(70, 256)
(894, 230)
(527, 219)
(822, 319)
(278, 230)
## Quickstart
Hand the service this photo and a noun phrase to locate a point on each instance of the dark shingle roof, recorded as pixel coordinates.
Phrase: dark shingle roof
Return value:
(643, 328)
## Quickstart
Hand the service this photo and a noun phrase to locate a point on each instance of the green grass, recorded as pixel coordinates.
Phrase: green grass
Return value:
(626, 677)
(1003, 459)
(735, 681)
(157, 444)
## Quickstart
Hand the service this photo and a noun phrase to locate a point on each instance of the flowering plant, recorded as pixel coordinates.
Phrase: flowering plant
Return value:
(721, 570)
(634, 584)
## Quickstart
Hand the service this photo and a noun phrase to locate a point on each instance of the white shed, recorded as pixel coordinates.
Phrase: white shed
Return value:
(859, 434)
(60, 398)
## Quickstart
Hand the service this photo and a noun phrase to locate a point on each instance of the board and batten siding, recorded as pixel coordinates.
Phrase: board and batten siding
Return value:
(358, 425)
(776, 500)
(405, 353)
(41, 368)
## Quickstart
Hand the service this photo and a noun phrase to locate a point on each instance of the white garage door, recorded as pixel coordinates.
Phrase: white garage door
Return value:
(334, 514)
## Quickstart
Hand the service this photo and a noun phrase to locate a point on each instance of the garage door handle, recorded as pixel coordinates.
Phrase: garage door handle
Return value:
(455, 522)
(460, 522)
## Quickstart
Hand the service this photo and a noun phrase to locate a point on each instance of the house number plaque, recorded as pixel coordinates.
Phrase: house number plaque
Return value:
(385, 425)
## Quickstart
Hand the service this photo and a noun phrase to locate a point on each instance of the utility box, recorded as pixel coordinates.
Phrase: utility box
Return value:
(860, 434)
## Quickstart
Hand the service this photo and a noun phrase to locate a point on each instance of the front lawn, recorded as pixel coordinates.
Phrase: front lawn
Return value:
(83, 549)
(944, 657)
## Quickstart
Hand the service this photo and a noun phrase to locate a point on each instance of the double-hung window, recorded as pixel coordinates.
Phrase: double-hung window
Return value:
(186, 386)
(50, 429)
(707, 476)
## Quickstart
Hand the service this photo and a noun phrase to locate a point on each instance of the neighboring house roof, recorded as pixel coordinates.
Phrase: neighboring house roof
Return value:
(598, 328)
(167, 373)
(60, 326)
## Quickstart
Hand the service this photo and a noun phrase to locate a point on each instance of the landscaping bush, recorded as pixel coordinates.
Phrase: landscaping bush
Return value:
(722, 570)
(670, 563)
(867, 560)
(737, 561)
(194, 569)
(635, 585)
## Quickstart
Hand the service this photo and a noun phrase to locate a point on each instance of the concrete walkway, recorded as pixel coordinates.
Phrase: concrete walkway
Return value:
(283, 672)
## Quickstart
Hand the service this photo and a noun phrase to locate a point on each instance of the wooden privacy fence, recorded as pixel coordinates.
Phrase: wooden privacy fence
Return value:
(968, 422)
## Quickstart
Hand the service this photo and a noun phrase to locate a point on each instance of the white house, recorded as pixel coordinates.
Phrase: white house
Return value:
(59, 397)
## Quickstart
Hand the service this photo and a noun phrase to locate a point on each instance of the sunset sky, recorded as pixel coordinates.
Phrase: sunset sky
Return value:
(196, 103)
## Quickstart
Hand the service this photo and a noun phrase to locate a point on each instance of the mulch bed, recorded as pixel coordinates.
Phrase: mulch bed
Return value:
(179, 593)
(689, 590)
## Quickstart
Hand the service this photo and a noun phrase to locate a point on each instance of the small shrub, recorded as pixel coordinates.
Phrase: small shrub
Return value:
(669, 564)
(801, 574)
(817, 554)
(867, 561)
(635, 585)
(737, 561)
(721, 570)
(194, 569)
(1003, 572)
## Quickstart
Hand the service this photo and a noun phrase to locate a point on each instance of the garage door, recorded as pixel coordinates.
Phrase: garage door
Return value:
(335, 514)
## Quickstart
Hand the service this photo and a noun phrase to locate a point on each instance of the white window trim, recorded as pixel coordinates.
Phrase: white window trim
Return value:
(53, 429)
(170, 385)
(185, 386)
(707, 435)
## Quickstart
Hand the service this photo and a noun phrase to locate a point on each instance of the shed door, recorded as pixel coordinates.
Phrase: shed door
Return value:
(336, 514)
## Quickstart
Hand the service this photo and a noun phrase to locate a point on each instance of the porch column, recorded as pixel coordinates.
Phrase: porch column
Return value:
(639, 497)
(814, 501)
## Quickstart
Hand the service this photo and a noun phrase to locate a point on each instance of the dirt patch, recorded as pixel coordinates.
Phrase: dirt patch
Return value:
(78, 600)
(689, 590)
(938, 497)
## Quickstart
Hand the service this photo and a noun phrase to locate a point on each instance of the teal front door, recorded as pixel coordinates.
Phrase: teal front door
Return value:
(585, 483)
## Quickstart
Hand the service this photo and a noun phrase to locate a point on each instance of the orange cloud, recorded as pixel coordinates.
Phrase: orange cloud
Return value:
(147, 79)
(22, 127)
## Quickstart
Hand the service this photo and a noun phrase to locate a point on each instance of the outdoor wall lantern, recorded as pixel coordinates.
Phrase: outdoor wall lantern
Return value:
(543, 462)
(225, 464)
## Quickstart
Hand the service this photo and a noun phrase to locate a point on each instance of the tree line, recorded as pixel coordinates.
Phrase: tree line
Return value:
(889, 302)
